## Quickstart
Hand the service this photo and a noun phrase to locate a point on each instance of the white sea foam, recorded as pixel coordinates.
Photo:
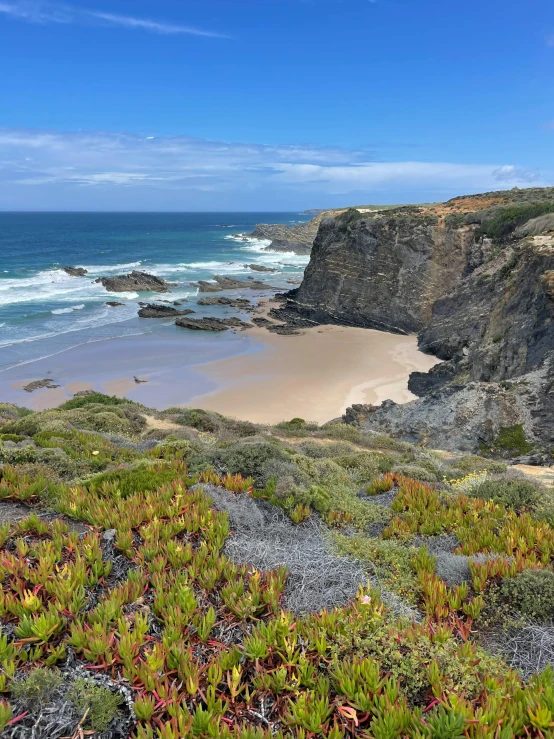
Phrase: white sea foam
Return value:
(101, 268)
(59, 311)
(104, 316)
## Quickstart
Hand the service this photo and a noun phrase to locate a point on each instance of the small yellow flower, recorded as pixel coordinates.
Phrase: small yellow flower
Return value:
(94, 454)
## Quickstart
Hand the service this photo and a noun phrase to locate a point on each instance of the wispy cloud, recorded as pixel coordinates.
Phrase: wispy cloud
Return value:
(35, 11)
(125, 170)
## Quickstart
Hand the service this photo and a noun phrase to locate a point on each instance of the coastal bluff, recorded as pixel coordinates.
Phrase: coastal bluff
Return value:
(474, 278)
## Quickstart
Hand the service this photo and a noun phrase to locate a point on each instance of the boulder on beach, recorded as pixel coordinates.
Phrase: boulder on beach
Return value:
(283, 329)
(75, 271)
(151, 310)
(212, 324)
(223, 282)
(135, 281)
(261, 321)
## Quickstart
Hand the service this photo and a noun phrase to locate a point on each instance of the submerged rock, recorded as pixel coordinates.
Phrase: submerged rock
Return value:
(135, 281)
(114, 303)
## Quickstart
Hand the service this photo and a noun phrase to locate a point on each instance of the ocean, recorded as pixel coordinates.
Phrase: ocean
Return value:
(45, 312)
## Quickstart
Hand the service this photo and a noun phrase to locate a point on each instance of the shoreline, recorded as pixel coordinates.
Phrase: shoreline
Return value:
(252, 375)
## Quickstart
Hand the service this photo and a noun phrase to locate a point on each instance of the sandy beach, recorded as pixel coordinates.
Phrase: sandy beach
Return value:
(315, 376)
(253, 375)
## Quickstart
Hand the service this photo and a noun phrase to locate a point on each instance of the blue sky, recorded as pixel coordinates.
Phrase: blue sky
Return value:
(271, 104)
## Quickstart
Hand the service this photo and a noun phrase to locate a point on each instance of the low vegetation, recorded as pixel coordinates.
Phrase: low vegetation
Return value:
(507, 219)
(214, 578)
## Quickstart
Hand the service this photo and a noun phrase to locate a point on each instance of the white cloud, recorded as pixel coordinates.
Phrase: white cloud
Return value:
(128, 170)
(36, 11)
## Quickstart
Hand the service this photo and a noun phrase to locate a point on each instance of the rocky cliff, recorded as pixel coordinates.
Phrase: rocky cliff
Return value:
(383, 271)
(298, 238)
(475, 278)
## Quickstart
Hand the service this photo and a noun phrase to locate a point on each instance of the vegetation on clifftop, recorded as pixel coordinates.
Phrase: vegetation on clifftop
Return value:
(215, 578)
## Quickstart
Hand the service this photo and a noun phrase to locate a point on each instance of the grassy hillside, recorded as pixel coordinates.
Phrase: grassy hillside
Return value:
(180, 574)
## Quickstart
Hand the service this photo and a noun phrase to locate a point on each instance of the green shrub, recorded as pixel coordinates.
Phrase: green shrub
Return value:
(37, 688)
(473, 463)
(364, 466)
(416, 472)
(97, 398)
(250, 460)
(296, 427)
(101, 704)
(342, 432)
(531, 592)
(508, 219)
(11, 437)
(324, 472)
(407, 658)
(515, 494)
(314, 450)
(391, 562)
(373, 440)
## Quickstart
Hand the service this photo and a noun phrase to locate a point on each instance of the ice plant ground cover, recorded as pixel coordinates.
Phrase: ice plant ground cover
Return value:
(213, 578)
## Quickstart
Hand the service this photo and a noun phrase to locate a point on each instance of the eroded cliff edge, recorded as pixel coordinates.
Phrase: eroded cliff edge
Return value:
(474, 277)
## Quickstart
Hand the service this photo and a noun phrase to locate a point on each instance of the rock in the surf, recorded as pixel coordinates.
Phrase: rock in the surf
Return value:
(135, 281)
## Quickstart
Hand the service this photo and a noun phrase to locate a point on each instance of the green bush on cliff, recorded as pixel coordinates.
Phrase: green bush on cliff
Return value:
(508, 219)
(97, 398)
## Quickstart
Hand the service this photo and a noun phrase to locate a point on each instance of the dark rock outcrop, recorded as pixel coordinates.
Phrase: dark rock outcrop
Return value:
(243, 303)
(223, 282)
(383, 271)
(283, 329)
(495, 389)
(135, 281)
(212, 324)
(151, 310)
(75, 271)
(39, 384)
(475, 278)
(114, 303)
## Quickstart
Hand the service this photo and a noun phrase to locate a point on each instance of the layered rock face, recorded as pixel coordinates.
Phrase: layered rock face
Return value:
(476, 281)
(495, 390)
(383, 271)
(298, 238)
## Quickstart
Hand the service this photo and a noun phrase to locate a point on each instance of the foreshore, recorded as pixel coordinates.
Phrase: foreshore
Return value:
(252, 375)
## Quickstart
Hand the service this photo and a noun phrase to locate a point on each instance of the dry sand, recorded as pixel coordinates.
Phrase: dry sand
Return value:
(315, 376)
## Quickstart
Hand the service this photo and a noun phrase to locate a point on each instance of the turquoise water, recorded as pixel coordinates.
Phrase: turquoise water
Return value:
(44, 312)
